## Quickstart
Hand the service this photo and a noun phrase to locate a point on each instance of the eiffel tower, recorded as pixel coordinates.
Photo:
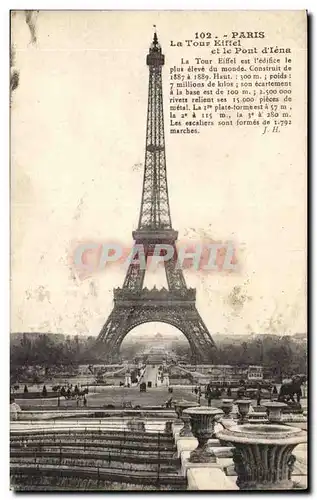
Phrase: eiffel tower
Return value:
(134, 304)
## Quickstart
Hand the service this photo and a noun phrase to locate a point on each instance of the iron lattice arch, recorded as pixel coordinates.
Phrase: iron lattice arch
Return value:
(186, 319)
(134, 304)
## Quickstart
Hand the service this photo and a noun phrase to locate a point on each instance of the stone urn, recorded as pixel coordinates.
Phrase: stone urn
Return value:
(180, 406)
(243, 407)
(202, 421)
(262, 456)
(274, 411)
(226, 406)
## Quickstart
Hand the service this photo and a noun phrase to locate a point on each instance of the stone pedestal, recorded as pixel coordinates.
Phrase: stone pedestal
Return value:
(202, 421)
(243, 408)
(187, 465)
(209, 479)
(263, 454)
(186, 444)
(180, 406)
(274, 411)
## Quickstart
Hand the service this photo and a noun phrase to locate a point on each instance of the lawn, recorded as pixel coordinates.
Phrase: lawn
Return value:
(117, 396)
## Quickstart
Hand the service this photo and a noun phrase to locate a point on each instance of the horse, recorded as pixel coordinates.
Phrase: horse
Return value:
(75, 394)
(290, 388)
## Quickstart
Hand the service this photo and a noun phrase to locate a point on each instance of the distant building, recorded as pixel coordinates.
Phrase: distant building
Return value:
(226, 373)
(255, 373)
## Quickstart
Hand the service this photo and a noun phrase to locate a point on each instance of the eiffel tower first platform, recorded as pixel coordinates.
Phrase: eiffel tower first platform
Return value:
(134, 304)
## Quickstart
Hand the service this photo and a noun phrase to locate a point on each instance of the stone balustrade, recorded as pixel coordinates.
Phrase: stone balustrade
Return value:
(209, 479)
(148, 412)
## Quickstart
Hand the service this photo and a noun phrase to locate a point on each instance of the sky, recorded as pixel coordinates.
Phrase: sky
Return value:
(78, 121)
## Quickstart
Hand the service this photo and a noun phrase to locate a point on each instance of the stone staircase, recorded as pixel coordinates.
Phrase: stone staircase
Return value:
(87, 455)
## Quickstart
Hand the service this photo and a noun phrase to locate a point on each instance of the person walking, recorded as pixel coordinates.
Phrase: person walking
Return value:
(208, 394)
(169, 402)
(274, 392)
(14, 409)
(258, 396)
(199, 395)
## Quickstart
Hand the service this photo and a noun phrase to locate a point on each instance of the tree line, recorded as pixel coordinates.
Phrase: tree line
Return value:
(280, 356)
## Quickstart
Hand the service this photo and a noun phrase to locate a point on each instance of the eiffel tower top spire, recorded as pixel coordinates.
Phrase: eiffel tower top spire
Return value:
(155, 215)
(155, 44)
(155, 51)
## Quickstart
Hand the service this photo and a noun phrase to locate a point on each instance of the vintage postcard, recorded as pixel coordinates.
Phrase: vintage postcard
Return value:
(158, 250)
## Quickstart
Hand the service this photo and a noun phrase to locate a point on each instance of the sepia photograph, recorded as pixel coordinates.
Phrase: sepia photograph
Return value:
(158, 198)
